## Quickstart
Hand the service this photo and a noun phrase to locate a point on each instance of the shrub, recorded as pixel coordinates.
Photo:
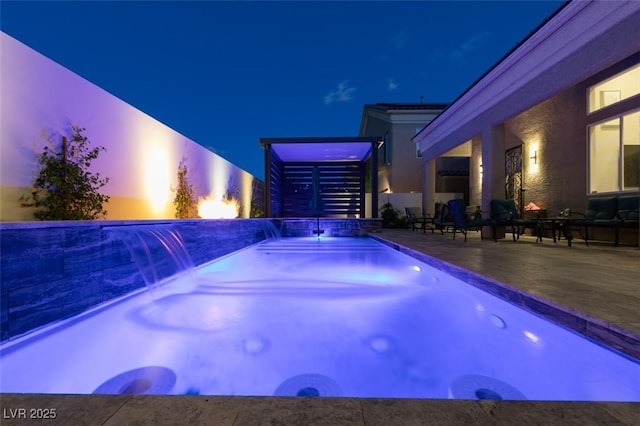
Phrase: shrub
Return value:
(185, 200)
(389, 215)
(65, 189)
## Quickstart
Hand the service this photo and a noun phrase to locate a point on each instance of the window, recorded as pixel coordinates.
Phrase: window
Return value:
(614, 154)
(418, 153)
(615, 89)
(386, 150)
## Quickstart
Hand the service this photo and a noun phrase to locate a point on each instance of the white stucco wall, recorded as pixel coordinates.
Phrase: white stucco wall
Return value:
(142, 154)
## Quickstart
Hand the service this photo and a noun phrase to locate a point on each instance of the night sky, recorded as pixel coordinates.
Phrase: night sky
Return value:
(225, 74)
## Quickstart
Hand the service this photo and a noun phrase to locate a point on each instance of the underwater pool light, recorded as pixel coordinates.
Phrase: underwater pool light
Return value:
(417, 268)
(532, 337)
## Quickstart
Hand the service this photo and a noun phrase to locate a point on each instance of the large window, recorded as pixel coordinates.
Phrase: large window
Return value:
(614, 154)
(615, 89)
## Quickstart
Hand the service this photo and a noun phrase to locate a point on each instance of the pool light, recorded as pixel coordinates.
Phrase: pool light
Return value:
(532, 337)
(417, 268)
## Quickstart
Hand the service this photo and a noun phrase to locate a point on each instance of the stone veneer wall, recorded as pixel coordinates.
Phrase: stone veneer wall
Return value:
(50, 271)
(304, 227)
(55, 270)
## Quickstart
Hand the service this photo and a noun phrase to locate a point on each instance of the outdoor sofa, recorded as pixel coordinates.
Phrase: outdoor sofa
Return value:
(615, 212)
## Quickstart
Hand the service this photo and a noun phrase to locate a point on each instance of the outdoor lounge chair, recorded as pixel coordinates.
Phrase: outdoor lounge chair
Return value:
(504, 213)
(442, 221)
(462, 221)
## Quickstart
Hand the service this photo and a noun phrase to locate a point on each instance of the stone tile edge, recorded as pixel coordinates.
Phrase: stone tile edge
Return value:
(164, 409)
(595, 329)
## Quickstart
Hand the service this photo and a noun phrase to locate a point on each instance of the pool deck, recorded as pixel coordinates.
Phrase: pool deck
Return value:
(598, 284)
(594, 290)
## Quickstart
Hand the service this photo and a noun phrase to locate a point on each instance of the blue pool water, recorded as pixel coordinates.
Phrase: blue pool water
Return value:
(308, 317)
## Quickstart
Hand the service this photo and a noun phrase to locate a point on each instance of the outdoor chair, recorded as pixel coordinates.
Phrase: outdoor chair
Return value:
(465, 219)
(442, 221)
(504, 213)
(415, 218)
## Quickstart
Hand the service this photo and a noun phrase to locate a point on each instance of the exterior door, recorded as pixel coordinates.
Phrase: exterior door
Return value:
(513, 177)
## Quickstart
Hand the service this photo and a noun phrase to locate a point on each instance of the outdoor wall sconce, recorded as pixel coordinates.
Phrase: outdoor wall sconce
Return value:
(534, 157)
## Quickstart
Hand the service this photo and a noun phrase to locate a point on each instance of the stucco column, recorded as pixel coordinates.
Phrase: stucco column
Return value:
(492, 170)
(428, 185)
(475, 175)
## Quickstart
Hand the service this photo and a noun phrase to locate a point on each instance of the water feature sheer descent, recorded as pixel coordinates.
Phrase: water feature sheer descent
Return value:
(158, 251)
(271, 232)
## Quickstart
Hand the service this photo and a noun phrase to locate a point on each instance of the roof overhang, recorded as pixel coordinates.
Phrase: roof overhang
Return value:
(417, 114)
(580, 40)
(321, 149)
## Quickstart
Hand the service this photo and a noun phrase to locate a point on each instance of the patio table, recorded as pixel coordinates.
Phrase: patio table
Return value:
(559, 224)
(427, 221)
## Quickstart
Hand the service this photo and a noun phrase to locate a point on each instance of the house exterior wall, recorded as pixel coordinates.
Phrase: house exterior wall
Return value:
(556, 131)
(405, 169)
(142, 155)
(378, 127)
(403, 173)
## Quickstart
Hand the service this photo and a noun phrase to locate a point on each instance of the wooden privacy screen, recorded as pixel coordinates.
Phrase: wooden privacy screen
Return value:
(274, 186)
(340, 189)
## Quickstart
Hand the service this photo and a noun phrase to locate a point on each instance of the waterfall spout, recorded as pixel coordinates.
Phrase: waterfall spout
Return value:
(270, 230)
(158, 251)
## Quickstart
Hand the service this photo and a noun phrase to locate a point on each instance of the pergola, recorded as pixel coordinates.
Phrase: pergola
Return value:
(308, 177)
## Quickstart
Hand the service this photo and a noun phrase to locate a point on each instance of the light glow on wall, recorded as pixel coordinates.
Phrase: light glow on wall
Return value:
(157, 173)
(246, 192)
(220, 173)
(534, 156)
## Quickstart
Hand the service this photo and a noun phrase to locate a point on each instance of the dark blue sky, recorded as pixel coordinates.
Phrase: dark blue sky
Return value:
(226, 74)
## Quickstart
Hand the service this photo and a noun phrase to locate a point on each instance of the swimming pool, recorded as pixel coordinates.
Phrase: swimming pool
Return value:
(328, 317)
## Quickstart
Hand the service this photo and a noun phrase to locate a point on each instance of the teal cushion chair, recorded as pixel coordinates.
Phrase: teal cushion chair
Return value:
(442, 221)
(505, 213)
(628, 209)
(601, 213)
(601, 209)
(627, 213)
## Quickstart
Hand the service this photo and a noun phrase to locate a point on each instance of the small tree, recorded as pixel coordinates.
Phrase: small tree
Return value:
(185, 200)
(65, 189)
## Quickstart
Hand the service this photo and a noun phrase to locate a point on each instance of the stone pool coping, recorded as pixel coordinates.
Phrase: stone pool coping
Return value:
(206, 410)
(592, 328)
